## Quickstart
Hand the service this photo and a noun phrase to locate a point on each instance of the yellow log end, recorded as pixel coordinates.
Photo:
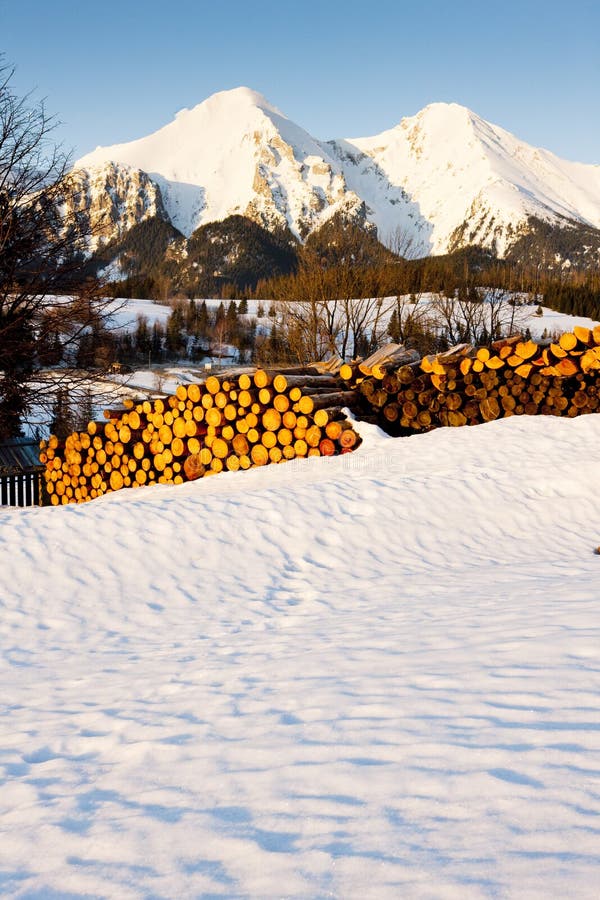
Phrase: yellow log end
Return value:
(567, 341)
(567, 367)
(524, 370)
(526, 349)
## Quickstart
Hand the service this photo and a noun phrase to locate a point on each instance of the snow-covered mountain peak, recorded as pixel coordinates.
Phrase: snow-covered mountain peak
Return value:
(445, 176)
(434, 118)
(444, 114)
(464, 180)
(436, 124)
(175, 145)
(236, 153)
(238, 105)
(240, 97)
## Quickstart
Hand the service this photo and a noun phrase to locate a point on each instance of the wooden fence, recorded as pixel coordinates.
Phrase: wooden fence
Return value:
(20, 490)
(20, 473)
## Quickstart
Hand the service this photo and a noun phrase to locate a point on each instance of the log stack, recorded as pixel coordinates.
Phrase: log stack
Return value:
(226, 423)
(254, 418)
(468, 385)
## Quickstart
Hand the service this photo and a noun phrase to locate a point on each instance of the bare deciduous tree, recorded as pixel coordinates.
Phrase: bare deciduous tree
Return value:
(481, 316)
(50, 312)
(414, 323)
(324, 308)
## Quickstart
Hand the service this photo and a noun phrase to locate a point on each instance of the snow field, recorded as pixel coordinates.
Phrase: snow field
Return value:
(374, 675)
(127, 312)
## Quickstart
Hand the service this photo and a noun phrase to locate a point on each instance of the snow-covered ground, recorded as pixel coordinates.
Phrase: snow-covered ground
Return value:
(553, 322)
(125, 313)
(371, 676)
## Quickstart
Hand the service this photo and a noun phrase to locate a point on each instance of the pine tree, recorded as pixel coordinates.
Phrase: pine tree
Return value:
(231, 320)
(124, 350)
(175, 336)
(63, 420)
(394, 327)
(158, 335)
(220, 313)
(203, 320)
(142, 336)
(85, 412)
(191, 322)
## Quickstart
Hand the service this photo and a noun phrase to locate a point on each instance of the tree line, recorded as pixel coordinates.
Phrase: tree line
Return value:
(193, 330)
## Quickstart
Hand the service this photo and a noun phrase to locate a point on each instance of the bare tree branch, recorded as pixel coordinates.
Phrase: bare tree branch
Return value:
(50, 309)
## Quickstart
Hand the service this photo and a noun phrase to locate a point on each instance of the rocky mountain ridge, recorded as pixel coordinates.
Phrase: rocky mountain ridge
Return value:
(436, 182)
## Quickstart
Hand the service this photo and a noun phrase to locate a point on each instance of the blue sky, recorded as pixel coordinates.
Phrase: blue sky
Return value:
(113, 71)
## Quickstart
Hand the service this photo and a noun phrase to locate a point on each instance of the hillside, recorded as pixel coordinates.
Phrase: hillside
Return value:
(365, 676)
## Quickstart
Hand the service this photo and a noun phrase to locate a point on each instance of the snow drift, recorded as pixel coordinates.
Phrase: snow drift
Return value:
(367, 676)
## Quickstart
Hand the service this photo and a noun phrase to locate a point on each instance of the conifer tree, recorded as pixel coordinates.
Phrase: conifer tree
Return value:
(203, 320)
(231, 320)
(63, 419)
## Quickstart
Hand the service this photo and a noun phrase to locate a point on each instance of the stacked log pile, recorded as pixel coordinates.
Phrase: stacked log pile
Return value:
(255, 418)
(468, 385)
(224, 424)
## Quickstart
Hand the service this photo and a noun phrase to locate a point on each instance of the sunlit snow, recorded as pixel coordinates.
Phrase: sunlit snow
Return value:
(367, 676)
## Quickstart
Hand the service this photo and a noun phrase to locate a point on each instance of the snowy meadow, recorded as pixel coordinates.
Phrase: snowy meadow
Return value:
(373, 675)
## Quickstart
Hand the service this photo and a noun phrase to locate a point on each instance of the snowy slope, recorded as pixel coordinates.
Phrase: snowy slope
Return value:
(235, 154)
(371, 676)
(444, 177)
(446, 166)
